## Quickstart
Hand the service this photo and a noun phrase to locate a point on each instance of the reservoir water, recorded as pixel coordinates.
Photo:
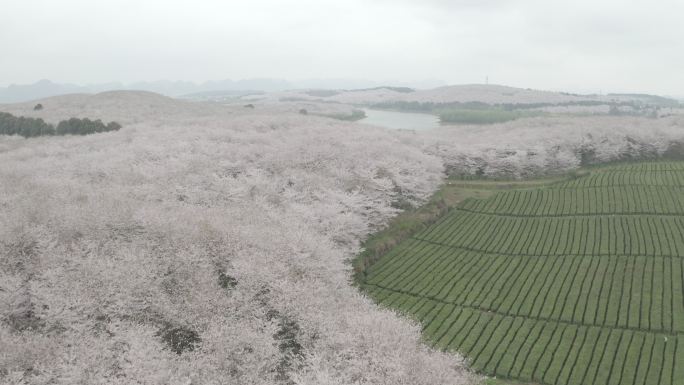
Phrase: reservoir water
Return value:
(400, 120)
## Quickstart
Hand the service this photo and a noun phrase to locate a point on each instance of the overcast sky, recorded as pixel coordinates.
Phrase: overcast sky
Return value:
(575, 45)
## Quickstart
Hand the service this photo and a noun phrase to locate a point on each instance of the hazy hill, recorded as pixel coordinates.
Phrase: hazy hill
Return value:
(45, 88)
(121, 106)
(202, 244)
(275, 90)
(480, 93)
(40, 89)
(489, 94)
(140, 106)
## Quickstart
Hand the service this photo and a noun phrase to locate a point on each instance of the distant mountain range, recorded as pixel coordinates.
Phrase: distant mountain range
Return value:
(46, 88)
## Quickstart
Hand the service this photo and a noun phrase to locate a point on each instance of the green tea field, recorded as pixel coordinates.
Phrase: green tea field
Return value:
(577, 282)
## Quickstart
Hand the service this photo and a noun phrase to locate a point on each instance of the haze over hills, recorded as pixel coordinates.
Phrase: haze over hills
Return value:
(488, 94)
(337, 91)
(484, 93)
(127, 107)
(44, 88)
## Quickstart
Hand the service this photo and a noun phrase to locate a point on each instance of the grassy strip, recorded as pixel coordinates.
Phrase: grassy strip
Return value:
(413, 220)
(482, 116)
(354, 116)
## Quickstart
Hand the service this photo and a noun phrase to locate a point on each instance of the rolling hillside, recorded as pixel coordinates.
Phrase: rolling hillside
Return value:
(579, 282)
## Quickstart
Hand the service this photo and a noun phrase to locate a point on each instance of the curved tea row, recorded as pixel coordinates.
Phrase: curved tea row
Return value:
(580, 282)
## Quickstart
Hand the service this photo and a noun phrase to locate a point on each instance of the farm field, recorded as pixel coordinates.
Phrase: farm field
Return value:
(576, 282)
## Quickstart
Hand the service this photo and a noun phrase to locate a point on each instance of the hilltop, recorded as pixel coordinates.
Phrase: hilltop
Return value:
(487, 94)
(141, 106)
(123, 106)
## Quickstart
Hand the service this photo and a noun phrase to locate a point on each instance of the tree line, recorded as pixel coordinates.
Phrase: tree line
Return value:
(32, 127)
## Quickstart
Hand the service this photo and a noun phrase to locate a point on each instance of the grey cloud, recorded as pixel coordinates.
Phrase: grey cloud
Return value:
(535, 43)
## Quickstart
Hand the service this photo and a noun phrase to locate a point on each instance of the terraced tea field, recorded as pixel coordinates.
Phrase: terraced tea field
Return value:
(578, 282)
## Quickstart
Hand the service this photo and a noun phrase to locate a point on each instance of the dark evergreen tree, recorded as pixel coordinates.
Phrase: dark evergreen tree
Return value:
(31, 127)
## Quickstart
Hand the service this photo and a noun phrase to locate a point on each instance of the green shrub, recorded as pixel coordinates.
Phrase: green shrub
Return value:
(179, 338)
(354, 116)
(30, 127)
(26, 127)
(226, 281)
(86, 126)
